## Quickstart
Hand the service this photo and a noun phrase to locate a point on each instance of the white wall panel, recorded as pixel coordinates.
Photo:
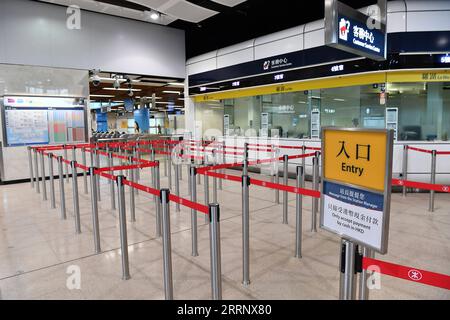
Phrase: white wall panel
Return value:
(236, 47)
(278, 47)
(314, 38)
(291, 32)
(428, 21)
(396, 6)
(205, 56)
(237, 57)
(35, 33)
(425, 5)
(202, 66)
(396, 22)
(314, 25)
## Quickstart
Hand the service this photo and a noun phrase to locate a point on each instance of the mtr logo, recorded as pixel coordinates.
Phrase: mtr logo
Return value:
(344, 29)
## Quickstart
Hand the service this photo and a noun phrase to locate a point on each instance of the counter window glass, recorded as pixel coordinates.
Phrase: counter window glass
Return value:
(417, 111)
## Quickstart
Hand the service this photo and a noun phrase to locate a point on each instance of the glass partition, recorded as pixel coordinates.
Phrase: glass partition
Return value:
(418, 111)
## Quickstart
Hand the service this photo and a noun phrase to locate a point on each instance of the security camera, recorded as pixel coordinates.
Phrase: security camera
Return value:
(96, 80)
(130, 93)
(116, 83)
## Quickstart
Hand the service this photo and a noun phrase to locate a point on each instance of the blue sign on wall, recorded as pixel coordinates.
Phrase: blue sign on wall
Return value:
(358, 36)
(102, 121)
(141, 116)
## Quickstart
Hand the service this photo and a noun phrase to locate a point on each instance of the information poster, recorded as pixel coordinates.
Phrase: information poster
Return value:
(39, 120)
(30, 127)
(356, 188)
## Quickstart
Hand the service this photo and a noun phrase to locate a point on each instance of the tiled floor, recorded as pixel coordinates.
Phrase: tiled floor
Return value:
(37, 247)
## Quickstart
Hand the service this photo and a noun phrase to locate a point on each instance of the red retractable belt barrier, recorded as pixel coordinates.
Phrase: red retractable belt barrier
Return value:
(218, 167)
(141, 187)
(421, 185)
(223, 176)
(282, 187)
(419, 149)
(443, 152)
(409, 273)
(187, 203)
(127, 167)
(82, 167)
(306, 155)
(313, 148)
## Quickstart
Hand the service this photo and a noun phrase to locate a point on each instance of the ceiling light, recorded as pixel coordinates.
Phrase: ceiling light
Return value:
(337, 99)
(179, 84)
(122, 89)
(175, 92)
(101, 96)
(154, 15)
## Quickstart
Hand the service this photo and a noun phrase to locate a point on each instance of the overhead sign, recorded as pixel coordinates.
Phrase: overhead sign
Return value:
(356, 189)
(352, 31)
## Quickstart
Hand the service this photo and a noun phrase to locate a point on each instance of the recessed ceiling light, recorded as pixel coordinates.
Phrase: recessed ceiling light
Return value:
(101, 96)
(122, 89)
(169, 91)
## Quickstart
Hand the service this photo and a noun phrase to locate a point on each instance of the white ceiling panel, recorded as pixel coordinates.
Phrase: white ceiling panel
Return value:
(187, 11)
(229, 3)
(154, 4)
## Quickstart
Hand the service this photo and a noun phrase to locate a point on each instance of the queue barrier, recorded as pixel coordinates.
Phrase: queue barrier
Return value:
(211, 211)
(408, 273)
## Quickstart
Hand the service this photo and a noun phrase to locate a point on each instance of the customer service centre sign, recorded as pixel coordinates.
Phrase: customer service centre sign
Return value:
(356, 184)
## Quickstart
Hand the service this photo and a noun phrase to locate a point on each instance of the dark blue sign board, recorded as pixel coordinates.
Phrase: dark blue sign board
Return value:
(349, 30)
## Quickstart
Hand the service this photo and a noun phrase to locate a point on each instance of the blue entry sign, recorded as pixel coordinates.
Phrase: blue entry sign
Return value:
(352, 31)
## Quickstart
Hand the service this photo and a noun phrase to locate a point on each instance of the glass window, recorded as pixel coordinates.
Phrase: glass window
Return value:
(419, 111)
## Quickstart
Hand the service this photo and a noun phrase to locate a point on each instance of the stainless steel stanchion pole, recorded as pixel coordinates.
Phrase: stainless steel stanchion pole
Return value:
(245, 165)
(347, 289)
(44, 188)
(315, 202)
(98, 165)
(109, 164)
(111, 186)
(94, 205)
(363, 289)
(76, 203)
(62, 196)
(285, 194)
(214, 179)
(177, 185)
(405, 167)
(30, 164)
(52, 182)
(166, 244)
(432, 179)
(165, 159)
(298, 213)
(132, 200)
(134, 172)
(223, 162)
(66, 157)
(215, 254)
(169, 167)
(188, 167)
(36, 171)
(138, 172)
(123, 228)
(245, 231)
(304, 163)
(193, 179)
(74, 158)
(206, 185)
(83, 159)
(157, 186)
